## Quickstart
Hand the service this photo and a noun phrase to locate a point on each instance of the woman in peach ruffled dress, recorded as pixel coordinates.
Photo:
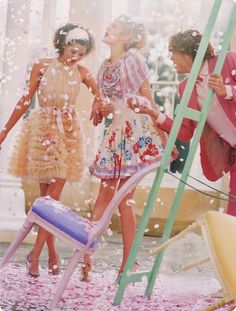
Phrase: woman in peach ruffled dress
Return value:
(49, 147)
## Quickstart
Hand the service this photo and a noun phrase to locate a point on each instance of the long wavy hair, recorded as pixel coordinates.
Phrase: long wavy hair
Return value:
(136, 31)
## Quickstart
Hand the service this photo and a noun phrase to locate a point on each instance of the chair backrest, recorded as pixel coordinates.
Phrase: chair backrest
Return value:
(131, 183)
(219, 231)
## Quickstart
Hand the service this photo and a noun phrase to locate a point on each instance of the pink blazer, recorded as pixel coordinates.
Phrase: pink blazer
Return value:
(216, 154)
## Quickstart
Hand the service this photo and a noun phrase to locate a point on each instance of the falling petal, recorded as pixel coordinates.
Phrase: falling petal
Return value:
(130, 202)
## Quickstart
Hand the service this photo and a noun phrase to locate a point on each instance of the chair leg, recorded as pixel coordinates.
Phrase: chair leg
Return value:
(65, 279)
(220, 303)
(22, 233)
(177, 237)
(194, 263)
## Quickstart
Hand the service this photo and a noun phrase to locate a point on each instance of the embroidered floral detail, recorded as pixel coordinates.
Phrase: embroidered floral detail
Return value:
(151, 151)
(128, 130)
(103, 161)
(136, 148)
(148, 140)
(112, 138)
(141, 142)
(117, 159)
(128, 155)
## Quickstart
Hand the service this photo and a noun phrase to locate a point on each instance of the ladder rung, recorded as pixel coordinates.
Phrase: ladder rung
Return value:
(190, 113)
(135, 276)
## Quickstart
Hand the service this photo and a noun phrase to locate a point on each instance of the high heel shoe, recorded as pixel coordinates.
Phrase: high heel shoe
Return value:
(117, 280)
(120, 271)
(85, 272)
(53, 267)
(136, 266)
(30, 262)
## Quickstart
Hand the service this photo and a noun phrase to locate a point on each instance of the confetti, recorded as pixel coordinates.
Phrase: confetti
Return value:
(130, 202)
(171, 292)
(109, 232)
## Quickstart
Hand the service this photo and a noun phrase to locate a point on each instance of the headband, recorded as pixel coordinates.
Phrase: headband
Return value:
(77, 34)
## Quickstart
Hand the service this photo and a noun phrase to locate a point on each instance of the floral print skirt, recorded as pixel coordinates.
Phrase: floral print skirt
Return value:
(130, 142)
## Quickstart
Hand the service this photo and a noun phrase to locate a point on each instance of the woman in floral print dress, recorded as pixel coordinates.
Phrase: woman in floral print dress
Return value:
(130, 140)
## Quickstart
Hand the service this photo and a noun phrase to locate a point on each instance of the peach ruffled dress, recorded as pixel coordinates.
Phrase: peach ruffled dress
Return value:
(49, 145)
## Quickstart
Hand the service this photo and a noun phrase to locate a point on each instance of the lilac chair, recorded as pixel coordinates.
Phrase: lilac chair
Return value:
(75, 230)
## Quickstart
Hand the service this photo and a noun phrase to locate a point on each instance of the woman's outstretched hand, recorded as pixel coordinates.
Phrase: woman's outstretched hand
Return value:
(101, 108)
(95, 114)
(97, 118)
(106, 109)
(142, 107)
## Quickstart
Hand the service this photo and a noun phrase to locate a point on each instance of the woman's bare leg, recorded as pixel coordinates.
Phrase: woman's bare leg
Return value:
(105, 194)
(54, 191)
(128, 224)
(50, 239)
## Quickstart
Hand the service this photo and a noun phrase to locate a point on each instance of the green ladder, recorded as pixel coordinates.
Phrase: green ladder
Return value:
(182, 112)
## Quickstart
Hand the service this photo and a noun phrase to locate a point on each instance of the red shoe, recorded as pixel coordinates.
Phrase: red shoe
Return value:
(53, 266)
(32, 271)
(85, 272)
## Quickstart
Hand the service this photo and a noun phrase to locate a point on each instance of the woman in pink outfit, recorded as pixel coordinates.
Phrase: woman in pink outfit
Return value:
(218, 140)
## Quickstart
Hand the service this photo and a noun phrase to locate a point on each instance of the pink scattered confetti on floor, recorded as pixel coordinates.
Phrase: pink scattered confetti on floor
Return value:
(20, 292)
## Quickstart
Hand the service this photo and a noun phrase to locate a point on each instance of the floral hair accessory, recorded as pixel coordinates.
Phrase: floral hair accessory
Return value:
(77, 34)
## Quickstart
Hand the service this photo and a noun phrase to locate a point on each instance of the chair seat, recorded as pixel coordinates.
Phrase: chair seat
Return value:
(63, 218)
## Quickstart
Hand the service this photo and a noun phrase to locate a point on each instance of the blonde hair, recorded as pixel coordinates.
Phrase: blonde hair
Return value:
(136, 31)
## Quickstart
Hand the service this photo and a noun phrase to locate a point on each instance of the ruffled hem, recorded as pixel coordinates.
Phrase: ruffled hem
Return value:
(46, 179)
(123, 173)
(41, 152)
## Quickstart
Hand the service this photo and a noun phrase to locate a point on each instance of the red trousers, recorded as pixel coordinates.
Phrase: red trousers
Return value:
(232, 190)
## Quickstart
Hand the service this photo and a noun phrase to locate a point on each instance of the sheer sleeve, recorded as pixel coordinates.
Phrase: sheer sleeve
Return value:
(136, 69)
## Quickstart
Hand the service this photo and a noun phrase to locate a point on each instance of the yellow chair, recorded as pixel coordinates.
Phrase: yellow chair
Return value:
(219, 233)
